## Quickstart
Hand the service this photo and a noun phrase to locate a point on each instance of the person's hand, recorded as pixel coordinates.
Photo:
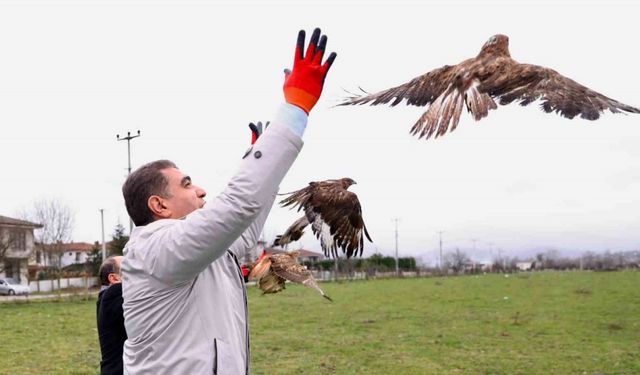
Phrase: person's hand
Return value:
(257, 130)
(303, 85)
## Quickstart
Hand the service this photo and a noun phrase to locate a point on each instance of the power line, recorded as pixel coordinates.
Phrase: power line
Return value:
(440, 233)
(104, 247)
(397, 265)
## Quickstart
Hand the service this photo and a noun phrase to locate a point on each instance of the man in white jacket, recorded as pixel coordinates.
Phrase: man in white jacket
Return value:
(185, 302)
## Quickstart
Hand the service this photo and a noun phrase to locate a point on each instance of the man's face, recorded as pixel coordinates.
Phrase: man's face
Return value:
(184, 197)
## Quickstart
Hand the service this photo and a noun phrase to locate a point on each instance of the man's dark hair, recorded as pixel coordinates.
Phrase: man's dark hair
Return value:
(144, 182)
(107, 267)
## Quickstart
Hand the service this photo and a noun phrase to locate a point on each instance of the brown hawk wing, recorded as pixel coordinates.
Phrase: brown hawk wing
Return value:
(268, 281)
(335, 215)
(527, 83)
(419, 91)
(271, 283)
(261, 268)
(287, 267)
(293, 233)
(446, 91)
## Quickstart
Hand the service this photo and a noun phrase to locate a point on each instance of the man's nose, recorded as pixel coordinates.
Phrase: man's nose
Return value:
(201, 193)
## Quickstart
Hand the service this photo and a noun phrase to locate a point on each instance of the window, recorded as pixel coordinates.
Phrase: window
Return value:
(77, 256)
(18, 239)
(8, 269)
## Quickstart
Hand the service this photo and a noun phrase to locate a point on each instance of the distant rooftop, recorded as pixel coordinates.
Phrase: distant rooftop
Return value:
(5, 220)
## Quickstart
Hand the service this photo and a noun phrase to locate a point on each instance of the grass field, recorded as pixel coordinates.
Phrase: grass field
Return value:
(539, 323)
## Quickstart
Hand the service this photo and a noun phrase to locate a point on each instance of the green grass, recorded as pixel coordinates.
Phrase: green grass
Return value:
(540, 323)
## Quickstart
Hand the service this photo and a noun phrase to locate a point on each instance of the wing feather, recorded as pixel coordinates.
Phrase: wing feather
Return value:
(293, 233)
(287, 267)
(527, 83)
(419, 91)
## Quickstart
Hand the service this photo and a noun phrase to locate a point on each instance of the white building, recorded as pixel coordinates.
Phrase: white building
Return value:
(524, 266)
(16, 246)
(66, 253)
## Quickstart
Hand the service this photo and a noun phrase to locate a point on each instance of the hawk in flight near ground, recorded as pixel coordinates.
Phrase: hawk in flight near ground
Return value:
(293, 233)
(272, 271)
(334, 213)
(493, 74)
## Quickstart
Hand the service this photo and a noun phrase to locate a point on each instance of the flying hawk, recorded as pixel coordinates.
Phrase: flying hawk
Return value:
(293, 233)
(493, 74)
(334, 213)
(273, 270)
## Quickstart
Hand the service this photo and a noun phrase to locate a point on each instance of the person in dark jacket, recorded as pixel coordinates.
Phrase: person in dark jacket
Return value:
(111, 331)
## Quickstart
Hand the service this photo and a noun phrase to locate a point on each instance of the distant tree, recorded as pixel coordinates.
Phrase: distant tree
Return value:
(118, 240)
(8, 240)
(633, 259)
(381, 263)
(407, 264)
(551, 257)
(539, 261)
(94, 259)
(456, 260)
(608, 261)
(57, 221)
(589, 260)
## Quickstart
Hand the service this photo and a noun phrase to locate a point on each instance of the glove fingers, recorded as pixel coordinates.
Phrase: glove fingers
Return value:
(299, 46)
(313, 44)
(329, 62)
(317, 59)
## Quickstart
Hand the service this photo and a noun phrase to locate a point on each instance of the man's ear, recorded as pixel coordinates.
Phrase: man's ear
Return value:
(113, 278)
(157, 207)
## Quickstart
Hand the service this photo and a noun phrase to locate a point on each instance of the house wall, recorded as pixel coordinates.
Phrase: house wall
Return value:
(17, 257)
(73, 257)
(52, 285)
(18, 270)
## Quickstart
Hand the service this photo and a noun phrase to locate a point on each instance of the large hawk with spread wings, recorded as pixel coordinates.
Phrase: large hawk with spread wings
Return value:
(272, 271)
(335, 216)
(493, 74)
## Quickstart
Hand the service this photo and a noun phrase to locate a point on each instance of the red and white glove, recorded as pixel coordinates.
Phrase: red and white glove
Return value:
(303, 85)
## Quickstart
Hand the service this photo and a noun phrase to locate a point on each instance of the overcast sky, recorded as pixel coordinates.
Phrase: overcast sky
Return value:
(190, 75)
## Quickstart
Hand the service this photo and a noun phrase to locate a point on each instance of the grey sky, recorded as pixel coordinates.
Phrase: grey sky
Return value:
(191, 75)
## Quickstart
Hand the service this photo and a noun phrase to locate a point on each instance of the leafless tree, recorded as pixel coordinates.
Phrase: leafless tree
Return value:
(6, 244)
(456, 260)
(57, 221)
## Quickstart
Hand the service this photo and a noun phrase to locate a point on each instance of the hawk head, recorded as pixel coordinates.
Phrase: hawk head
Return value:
(346, 182)
(496, 45)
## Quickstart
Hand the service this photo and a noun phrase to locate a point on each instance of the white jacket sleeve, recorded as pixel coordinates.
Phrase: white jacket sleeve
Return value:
(180, 251)
(250, 237)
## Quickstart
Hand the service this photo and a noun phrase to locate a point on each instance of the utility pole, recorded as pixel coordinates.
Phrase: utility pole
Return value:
(474, 240)
(397, 260)
(128, 138)
(104, 246)
(440, 233)
(581, 257)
